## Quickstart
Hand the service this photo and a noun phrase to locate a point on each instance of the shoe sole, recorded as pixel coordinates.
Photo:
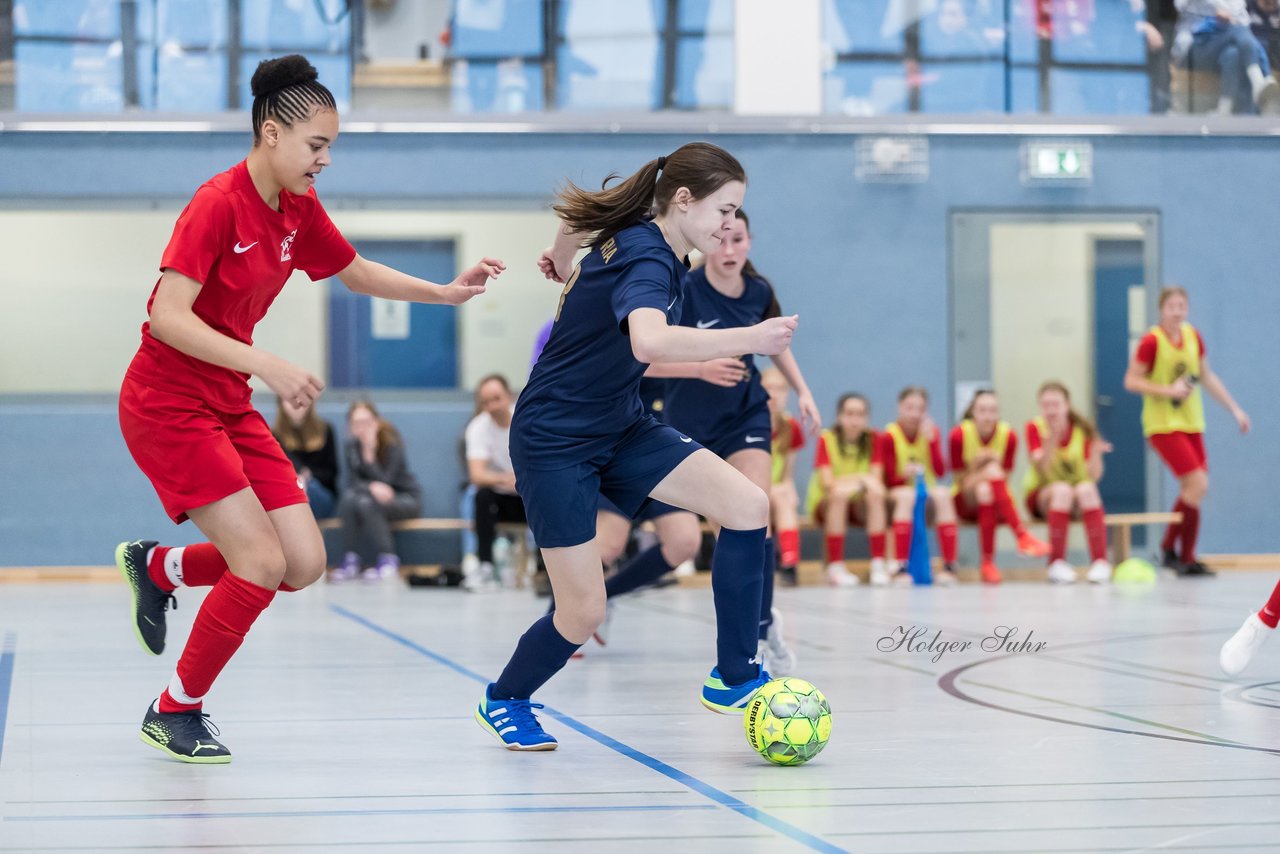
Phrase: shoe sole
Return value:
(133, 591)
(551, 745)
(725, 710)
(190, 760)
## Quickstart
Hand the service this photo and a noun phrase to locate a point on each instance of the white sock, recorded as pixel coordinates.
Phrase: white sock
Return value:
(173, 565)
(179, 693)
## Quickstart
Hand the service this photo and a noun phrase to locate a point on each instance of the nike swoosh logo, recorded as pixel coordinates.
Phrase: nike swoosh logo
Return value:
(148, 619)
(673, 303)
(239, 250)
(708, 324)
(685, 439)
(751, 440)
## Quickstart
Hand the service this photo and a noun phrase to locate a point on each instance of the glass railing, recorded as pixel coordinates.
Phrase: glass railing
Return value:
(879, 57)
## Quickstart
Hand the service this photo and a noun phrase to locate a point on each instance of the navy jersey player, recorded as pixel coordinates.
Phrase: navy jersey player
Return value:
(730, 418)
(579, 429)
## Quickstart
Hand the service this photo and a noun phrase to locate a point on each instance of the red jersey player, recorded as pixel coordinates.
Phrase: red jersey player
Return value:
(1168, 369)
(185, 407)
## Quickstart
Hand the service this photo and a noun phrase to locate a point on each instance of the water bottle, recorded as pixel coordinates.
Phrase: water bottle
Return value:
(503, 567)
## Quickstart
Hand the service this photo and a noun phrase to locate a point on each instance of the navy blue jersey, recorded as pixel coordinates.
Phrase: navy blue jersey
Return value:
(653, 390)
(697, 408)
(583, 393)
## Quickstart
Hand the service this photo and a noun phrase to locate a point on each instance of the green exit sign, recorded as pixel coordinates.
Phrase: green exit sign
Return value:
(1057, 163)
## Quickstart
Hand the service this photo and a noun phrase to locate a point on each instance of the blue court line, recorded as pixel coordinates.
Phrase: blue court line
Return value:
(722, 798)
(6, 677)
(367, 812)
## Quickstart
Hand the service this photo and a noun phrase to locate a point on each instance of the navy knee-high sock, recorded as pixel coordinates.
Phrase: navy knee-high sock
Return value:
(641, 571)
(766, 592)
(736, 578)
(539, 655)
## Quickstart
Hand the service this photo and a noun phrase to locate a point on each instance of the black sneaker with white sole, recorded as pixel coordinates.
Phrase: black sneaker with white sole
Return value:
(149, 601)
(186, 736)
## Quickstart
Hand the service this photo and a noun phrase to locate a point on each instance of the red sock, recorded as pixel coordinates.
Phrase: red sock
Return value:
(1190, 531)
(1006, 509)
(285, 588)
(987, 530)
(902, 541)
(200, 565)
(877, 545)
(835, 548)
(1095, 529)
(789, 547)
(224, 618)
(1270, 613)
(1058, 522)
(1174, 530)
(947, 537)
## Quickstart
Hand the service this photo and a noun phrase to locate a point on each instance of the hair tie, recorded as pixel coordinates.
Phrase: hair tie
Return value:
(662, 161)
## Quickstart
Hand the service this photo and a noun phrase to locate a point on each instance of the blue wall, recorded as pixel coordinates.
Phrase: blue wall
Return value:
(843, 255)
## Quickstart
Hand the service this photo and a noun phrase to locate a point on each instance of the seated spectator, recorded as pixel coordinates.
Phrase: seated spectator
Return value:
(1066, 465)
(1214, 35)
(308, 440)
(488, 439)
(787, 439)
(843, 491)
(1264, 20)
(911, 447)
(380, 490)
(983, 450)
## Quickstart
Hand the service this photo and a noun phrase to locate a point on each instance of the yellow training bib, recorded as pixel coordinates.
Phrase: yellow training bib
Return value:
(917, 452)
(1068, 465)
(850, 460)
(1162, 414)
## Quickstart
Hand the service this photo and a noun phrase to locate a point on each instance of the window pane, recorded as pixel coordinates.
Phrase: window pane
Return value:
(866, 26)
(1025, 94)
(496, 30)
(611, 57)
(962, 87)
(1078, 93)
(68, 77)
(69, 18)
(1098, 31)
(192, 23)
(194, 81)
(706, 16)
(963, 28)
(866, 89)
(509, 86)
(285, 25)
(704, 72)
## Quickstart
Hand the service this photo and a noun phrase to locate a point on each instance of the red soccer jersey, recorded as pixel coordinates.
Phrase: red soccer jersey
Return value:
(1146, 353)
(888, 457)
(242, 252)
(1035, 441)
(796, 435)
(959, 463)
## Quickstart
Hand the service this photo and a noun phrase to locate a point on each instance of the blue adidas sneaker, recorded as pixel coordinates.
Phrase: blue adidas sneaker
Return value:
(730, 699)
(513, 723)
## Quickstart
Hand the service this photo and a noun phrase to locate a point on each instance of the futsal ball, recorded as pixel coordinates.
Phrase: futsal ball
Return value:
(787, 721)
(1135, 570)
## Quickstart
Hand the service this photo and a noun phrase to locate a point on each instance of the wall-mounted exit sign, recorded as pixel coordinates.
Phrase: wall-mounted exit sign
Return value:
(1050, 162)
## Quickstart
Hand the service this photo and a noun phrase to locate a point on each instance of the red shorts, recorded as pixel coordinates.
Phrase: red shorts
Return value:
(964, 510)
(1181, 452)
(1033, 507)
(194, 455)
(857, 513)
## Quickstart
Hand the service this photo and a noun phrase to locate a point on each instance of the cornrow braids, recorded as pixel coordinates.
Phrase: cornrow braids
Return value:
(288, 90)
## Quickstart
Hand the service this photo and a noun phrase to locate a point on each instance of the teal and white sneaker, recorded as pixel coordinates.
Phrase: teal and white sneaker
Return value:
(513, 723)
(149, 601)
(730, 699)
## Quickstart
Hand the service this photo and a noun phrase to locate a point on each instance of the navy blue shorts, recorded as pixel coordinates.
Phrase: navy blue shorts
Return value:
(753, 430)
(650, 511)
(561, 503)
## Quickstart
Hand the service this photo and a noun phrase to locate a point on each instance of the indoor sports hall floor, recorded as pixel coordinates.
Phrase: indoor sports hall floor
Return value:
(349, 715)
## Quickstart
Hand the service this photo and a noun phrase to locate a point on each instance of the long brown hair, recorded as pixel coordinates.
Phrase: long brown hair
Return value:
(309, 436)
(1086, 426)
(700, 167)
(748, 268)
(968, 413)
(388, 435)
(867, 440)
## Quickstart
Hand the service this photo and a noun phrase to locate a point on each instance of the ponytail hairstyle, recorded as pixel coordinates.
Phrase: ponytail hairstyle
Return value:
(388, 435)
(287, 89)
(1075, 418)
(866, 441)
(968, 413)
(700, 167)
(748, 268)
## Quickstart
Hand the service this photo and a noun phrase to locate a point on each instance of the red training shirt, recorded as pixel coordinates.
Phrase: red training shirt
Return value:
(242, 252)
(958, 462)
(797, 434)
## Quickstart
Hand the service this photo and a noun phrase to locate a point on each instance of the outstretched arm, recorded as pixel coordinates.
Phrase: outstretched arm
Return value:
(378, 280)
(1218, 390)
(654, 340)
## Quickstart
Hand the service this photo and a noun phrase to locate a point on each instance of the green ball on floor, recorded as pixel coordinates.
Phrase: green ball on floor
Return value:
(1135, 570)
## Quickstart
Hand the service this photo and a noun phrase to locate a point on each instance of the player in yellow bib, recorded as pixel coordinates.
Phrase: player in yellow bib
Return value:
(787, 438)
(983, 450)
(909, 446)
(1168, 369)
(843, 491)
(1066, 465)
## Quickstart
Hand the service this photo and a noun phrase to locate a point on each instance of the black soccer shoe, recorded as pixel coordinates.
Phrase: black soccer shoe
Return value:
(1195, 569)
(186, 736)
(149, 601)
(1169, 560)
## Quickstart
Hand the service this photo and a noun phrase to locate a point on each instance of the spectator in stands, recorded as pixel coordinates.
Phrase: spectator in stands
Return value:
(843, 491)
(787, 438)
(1214, 35)
(488, 438)
(1066, 465)
(983, 450)
(1264, 20)
(910, 447)
(380, 490)
(308, 441)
